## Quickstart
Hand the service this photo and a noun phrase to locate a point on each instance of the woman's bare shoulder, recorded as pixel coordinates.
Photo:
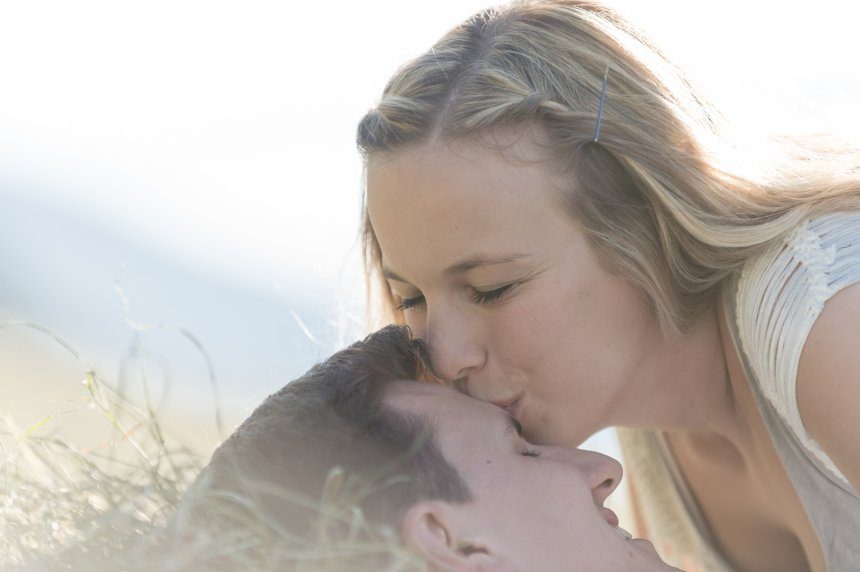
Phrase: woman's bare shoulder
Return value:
(828, 382)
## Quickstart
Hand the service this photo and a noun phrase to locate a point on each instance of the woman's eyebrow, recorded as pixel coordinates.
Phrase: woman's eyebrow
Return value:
(391, 275)
(465, 265)
(480, 261)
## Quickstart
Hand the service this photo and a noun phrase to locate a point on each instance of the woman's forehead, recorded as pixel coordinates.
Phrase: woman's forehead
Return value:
(446, 206)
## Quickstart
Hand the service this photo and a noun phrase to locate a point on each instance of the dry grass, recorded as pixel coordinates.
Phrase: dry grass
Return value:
(126, 504)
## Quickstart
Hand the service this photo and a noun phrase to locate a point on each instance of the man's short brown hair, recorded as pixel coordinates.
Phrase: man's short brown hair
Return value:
(335, 418)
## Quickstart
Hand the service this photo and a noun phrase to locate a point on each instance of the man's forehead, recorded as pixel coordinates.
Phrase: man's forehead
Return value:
(436, 402)
(414, 395)
(426, 399)
(464, 428)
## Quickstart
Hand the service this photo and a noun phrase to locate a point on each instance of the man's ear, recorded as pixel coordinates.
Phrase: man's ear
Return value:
(438, 531)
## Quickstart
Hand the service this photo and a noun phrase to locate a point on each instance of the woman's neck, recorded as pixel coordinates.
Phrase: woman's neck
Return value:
(686, 385)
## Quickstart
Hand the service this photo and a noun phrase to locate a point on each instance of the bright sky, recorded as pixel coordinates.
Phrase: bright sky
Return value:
(222, 132)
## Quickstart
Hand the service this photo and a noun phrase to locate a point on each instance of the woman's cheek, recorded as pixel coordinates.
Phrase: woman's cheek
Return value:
(416, 322)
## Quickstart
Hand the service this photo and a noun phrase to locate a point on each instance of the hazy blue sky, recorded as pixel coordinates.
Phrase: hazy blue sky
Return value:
(221, 133)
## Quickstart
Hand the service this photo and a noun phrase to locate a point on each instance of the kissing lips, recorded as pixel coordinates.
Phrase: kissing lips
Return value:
(512, 405)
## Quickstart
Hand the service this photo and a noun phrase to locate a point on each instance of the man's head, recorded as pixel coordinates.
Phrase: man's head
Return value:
(451, 477)
(334, 420)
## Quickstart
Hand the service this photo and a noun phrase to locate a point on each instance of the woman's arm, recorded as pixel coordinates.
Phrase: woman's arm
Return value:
(828, 382)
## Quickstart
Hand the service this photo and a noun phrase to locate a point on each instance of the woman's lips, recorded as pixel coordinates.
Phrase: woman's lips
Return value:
(512, 405)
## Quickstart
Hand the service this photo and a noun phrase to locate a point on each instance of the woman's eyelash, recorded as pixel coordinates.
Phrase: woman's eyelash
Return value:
(409, 303)
(480, 297)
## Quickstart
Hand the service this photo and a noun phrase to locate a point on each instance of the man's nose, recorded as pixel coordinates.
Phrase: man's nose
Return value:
(454, 347)
(603, 474)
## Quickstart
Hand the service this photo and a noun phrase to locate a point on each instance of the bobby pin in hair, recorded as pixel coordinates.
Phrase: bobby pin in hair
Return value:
(600, 109)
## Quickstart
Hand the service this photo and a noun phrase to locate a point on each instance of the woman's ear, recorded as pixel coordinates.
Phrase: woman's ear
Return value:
(437, 531)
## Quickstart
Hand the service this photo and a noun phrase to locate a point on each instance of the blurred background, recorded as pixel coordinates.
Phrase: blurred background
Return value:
(184, 172)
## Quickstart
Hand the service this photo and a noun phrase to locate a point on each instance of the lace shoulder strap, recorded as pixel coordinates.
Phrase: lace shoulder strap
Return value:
(780, 295)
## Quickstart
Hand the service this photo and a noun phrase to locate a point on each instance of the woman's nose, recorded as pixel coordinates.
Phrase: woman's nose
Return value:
(454, 349)
(603, 473)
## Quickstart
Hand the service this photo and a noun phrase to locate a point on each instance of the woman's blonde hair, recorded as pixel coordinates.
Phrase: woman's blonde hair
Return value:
(657, 196)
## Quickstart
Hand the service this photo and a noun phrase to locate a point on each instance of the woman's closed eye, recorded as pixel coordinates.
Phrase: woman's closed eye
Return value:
(485, 297)
(490, 296)
(410, 303)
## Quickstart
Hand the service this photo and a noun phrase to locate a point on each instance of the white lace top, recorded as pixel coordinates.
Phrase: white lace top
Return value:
(771, 306)
(781, 294)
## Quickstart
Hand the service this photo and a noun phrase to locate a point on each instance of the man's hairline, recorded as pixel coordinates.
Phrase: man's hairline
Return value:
(410, 414)
(422, 419)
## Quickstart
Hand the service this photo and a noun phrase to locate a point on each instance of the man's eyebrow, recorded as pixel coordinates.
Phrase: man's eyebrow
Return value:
(464, 265)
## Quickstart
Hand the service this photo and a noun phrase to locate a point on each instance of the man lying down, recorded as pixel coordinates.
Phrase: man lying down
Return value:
(358, 466)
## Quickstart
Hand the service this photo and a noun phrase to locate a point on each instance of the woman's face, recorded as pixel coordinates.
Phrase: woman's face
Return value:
(504, 288)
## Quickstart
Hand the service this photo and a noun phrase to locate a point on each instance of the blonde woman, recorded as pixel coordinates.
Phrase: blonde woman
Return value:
(550, 207)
